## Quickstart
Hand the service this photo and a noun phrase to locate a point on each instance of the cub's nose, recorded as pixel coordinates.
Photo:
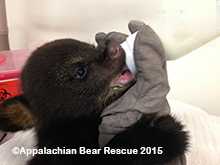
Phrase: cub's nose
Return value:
(115, 51)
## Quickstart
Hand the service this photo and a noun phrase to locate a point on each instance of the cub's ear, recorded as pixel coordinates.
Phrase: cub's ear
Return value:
(14, 115)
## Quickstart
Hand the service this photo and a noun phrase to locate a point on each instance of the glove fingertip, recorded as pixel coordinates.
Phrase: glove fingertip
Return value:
(100, 37)
(135, 25)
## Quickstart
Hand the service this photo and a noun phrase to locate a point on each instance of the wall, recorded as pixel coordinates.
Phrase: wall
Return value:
(195, 78)
(3, 27)
(43, 20)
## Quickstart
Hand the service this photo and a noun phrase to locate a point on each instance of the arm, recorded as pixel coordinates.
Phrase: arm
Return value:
(148, 95)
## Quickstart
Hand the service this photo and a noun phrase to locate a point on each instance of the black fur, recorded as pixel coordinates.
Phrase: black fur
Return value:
(166, 132)
(67, 109)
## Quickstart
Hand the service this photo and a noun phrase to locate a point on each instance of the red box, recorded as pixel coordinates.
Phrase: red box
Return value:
(11, 63)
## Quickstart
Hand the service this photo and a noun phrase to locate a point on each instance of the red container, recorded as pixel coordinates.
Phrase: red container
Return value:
(11, 63)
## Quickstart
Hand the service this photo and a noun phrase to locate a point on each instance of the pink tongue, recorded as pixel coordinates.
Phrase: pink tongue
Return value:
(125, 77)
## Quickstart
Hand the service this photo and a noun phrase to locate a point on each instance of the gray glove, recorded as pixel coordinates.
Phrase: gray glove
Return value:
(148, 94)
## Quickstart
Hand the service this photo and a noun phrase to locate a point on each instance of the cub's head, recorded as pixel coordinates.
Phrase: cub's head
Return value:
(74, 78)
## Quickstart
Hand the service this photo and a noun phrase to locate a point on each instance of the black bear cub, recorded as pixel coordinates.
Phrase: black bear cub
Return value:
(67, 84)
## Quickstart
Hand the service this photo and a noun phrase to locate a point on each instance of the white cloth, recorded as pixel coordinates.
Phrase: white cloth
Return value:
(128, 46)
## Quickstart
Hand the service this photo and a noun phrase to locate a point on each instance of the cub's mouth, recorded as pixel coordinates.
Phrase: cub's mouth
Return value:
(123, 80)
(120, 84)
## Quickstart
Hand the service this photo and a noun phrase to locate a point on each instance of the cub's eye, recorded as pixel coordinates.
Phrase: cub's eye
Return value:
(80, 72)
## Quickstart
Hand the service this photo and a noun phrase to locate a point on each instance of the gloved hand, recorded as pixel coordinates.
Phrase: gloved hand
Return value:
(148, 94)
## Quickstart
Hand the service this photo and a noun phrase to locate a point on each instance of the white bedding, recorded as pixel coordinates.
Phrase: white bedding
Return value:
(204, 137)
(204, 133)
